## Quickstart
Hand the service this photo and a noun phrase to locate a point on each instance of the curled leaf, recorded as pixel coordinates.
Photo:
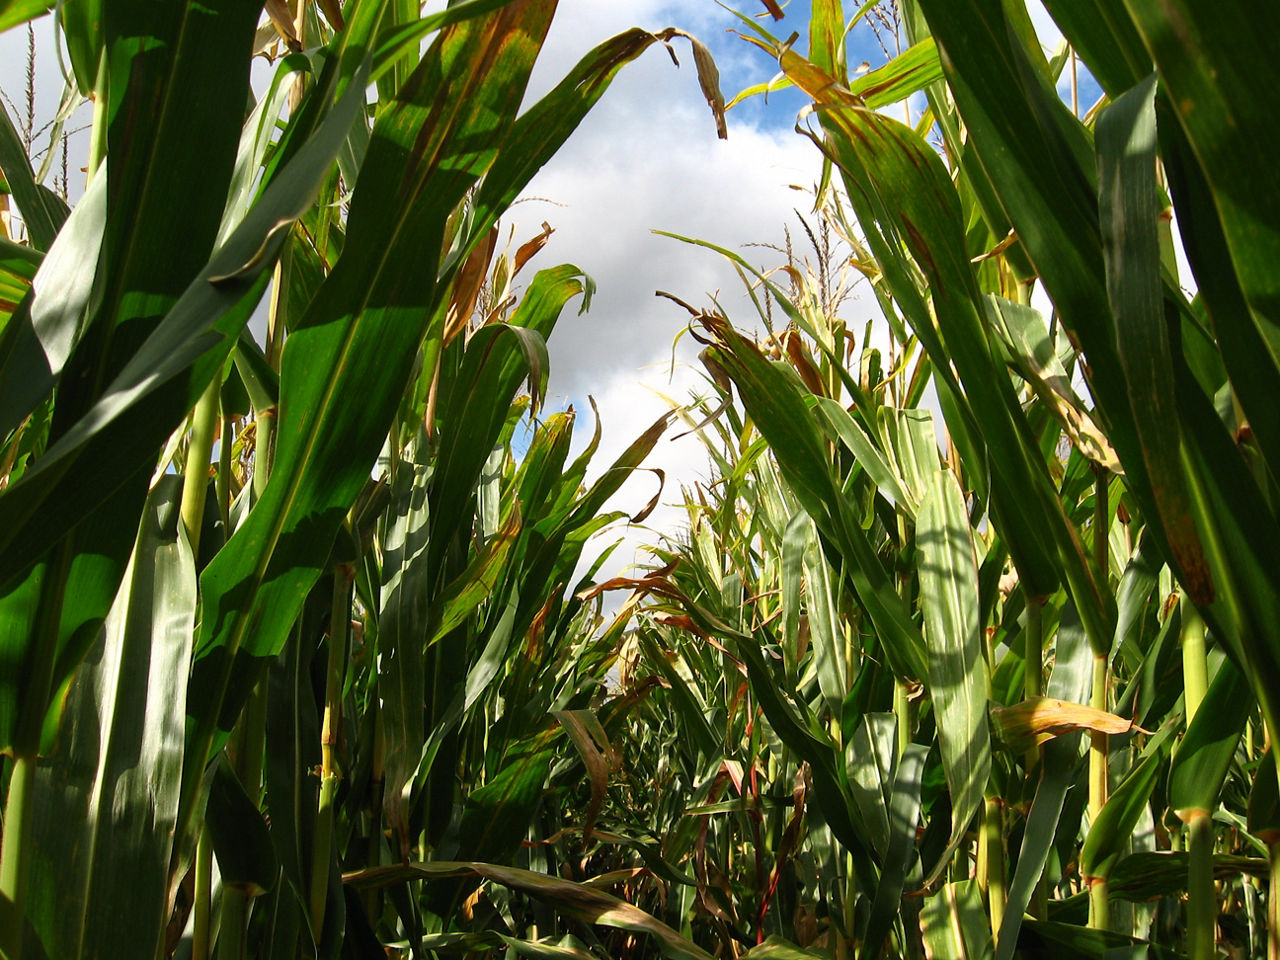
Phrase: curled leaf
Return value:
(1037, 719)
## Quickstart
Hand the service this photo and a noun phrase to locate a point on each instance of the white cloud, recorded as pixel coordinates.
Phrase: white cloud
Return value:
(647, 159)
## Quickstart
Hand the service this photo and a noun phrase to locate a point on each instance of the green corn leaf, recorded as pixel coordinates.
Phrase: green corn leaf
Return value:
(37, 342)
(1149, 874)
(827, 635)
(1108, 833)
(496, 817)
(841, 425)
(1203, 62)
(290, 791)
(957, 679)
(498, 359)
(148, 257)
(402, 623)
(1068, 681)
(1026, 334)
(42, 210)
(904, 189)
(246, 858)
(14, 12)
(1061, 759)
(904, 812)
(869, 765)
(1253, 370)
(910, 435)
(954, 922)
(1102, 32)
(910, 71)
(1046, 938)
(107, 800)
(776, 948)
(358, 339)
(395, 39)
(775, 403)
(1129, 204)
(1264, 801)
(569, 948)
(1205, 754)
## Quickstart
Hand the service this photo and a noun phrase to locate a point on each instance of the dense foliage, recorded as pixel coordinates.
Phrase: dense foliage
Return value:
(970, 645)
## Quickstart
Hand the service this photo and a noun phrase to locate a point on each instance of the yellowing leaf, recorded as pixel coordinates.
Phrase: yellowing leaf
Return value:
(1038, 719)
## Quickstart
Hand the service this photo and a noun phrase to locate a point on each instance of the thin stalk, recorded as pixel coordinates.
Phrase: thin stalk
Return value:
(233, 927)
(1099, 789)
(902, 710)
(1099, 743)
(223, 484)
(377, 787)
(1032, 687)
(16, 825)
(1033, 672)
(98, 132)
(275, 322)
(990, 874)
(1195, 666)
(1101, 524)
(195, 481)
(245, 751)
(1273, 904)
(202, 928)
(263, 449)
(848, 905)
(322, 850)
(1202, 901)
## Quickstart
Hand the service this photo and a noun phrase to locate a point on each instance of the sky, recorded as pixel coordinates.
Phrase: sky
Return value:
(647, 158)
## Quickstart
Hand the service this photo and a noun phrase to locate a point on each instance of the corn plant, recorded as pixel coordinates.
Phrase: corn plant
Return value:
(1042, 604)
(231, 676)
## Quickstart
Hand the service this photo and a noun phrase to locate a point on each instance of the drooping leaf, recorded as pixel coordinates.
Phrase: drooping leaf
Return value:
(1036, 720)
(584, 902)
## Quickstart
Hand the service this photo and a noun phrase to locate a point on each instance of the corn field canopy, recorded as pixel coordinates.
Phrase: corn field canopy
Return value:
(968, 647)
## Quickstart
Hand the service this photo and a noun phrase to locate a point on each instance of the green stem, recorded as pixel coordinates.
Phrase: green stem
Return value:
(233, 927)
(98, 131)
(1032, 687)
(1099, 743)
(1101, 524)
(223, 487)
(202, 926)
(339, 621)
(195, 481)
(902, 710)
(245, 751)
(1202, 901)
(991, 862)
(1195, 666)
(16, 825)
(849, 905)
(1099, 907)
(1099, 788)
(377, 787)
(1033, 671)
(1273, 904)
